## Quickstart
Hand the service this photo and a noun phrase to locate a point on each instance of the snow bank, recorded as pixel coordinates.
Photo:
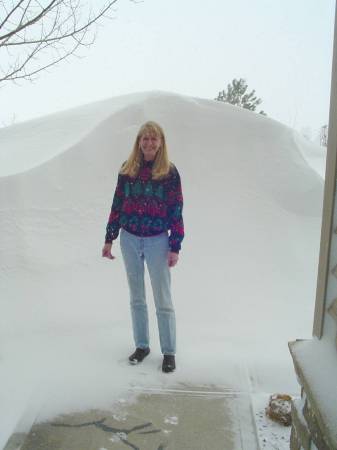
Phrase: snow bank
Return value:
(245, 283)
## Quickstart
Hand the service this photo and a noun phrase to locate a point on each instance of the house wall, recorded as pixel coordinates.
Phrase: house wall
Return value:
(314, 417)
(327, 282)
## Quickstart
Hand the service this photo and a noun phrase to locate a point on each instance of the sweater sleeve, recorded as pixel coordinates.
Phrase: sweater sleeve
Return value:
(113, 226)
(175, 210)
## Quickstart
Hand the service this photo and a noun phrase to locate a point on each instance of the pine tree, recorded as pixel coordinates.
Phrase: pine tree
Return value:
(237, 94)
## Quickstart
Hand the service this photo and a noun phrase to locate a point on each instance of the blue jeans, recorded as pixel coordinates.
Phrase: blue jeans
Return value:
(153, 250)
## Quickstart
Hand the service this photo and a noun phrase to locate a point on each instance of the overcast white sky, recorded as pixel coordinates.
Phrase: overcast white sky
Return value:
(282, 47)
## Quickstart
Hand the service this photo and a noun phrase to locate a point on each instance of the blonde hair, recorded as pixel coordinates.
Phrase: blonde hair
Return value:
(161, 166)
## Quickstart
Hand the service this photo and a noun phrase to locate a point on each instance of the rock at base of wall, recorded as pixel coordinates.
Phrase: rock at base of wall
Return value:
(279, 409)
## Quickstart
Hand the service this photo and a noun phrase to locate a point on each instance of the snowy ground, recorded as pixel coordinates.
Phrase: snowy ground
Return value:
(244, 285)
(271, 435)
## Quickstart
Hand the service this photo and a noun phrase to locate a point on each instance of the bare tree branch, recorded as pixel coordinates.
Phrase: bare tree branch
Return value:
(24, 12)
(28, 75)
(38, 34)
(29, 23)
(12, 11)
(67, 34)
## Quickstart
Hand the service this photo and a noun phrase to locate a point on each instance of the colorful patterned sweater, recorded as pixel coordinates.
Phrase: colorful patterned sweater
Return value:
(147, 207)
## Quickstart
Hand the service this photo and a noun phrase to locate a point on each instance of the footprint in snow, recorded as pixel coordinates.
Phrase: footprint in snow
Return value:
(172, 420)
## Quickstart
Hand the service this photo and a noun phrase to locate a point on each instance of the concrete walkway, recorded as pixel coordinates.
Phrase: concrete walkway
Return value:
(186, 418)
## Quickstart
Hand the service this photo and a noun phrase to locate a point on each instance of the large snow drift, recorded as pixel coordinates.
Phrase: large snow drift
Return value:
(245, 282)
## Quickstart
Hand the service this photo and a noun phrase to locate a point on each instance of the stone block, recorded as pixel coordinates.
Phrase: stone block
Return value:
(300, 425)
(316, 434)
(294, 443)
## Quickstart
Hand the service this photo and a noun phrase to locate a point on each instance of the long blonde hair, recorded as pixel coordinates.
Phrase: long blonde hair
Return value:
(161, 166)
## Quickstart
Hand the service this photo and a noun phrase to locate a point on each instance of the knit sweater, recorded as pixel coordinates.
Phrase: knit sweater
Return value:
(147, 207)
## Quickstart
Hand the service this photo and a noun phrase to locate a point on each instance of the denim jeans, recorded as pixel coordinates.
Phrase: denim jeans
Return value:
(153, 250)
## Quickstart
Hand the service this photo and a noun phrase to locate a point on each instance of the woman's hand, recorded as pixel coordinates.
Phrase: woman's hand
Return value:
(106, 251)
(172, 259)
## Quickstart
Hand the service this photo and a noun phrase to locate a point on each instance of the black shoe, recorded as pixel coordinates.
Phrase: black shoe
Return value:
(169, 363)
(139, 355)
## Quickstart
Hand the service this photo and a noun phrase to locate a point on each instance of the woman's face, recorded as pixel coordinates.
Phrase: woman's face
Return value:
(149, 144)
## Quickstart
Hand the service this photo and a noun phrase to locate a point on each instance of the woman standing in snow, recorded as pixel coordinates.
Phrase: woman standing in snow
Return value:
(147, 208)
